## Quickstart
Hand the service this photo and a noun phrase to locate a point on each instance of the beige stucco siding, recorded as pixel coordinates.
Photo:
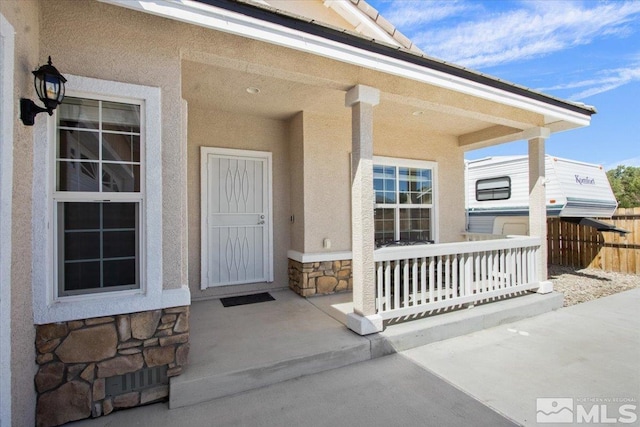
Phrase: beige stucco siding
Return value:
(311, 179)
(102, 41)
(309, 137)
(391, 141)
(24, 17)
(327, 182)
(327, 148)
(215, 128)
(91, 39)
(296, 175)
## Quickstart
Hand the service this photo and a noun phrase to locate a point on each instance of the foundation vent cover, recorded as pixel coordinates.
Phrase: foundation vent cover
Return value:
(136, 381)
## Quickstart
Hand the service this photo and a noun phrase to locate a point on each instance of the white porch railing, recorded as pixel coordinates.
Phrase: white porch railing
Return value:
(413, 280)
(474, 237)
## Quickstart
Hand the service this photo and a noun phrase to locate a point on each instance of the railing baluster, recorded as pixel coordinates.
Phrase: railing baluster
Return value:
(508, 266)
(439, 278)
(380, 286)
(534, 265)
(468, 274)
(476, 272)
(414, 291)
(454, 277)
(515, 281)
(483, 272)
(431, 278)
(460, 271)
(387, 285)
(423, 280)
(447, 276)
(405, 283)
(517, 264)
(503, 270)
(491, 271)
(531, 265)
(396, 285)
(514, 273)
(525, 266)
(520, 266)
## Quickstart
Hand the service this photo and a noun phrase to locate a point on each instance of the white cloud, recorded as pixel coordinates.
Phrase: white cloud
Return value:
(407, 14)
(605, 81)
(634, 161)
(476, 38)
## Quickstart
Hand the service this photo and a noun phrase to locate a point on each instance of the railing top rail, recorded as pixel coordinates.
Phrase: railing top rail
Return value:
(487, 235)
(419, 251)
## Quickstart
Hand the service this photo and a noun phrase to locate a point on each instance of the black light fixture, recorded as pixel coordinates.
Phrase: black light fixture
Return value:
(49, 85)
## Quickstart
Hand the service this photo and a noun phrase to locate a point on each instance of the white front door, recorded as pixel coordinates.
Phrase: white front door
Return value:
(236, 217)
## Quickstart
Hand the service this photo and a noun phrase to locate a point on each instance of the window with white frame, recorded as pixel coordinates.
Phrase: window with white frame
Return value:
(98, 195)
(404, 192)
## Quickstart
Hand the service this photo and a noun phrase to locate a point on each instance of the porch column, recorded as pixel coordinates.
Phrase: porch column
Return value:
(537, 200)
(364, 319)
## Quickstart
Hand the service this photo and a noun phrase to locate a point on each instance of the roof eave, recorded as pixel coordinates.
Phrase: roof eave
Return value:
(277, 27)
(375, 46)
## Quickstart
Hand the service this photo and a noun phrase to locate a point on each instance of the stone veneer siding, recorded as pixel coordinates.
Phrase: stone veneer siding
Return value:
(76, 357)
(319, 278)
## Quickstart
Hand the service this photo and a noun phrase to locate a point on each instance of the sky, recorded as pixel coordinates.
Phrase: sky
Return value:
(584, 51)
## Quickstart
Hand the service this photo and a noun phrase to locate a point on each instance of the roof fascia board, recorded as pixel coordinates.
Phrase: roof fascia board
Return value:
(221, 19)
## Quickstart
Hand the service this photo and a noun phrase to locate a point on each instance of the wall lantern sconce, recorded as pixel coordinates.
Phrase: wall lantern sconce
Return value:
(49, 85)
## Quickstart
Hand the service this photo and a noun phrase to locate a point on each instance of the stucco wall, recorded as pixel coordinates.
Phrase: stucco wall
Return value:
(148, 50)
(390, 141)
(327, 182)
(91, 39)
(310, 152)
(215, 128)
(327, 177)
(296, 175)
(24, 16)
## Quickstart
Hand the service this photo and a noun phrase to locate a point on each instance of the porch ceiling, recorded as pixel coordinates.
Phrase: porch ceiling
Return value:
(216, 87)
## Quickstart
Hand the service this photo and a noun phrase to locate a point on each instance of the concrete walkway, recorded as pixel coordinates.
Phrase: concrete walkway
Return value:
(236, 349)
(389, 391)
(587, 351)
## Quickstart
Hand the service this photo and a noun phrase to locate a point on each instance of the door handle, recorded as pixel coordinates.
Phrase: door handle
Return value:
(261, 222)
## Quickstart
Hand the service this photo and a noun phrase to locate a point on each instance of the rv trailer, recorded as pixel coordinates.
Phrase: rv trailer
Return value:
(497, 194)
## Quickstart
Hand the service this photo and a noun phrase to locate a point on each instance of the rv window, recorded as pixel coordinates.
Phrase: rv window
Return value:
(493, 189)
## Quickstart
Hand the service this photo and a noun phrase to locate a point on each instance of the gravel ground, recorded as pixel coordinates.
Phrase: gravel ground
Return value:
(580, 285)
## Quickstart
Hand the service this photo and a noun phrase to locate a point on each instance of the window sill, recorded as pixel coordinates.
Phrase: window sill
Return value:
(111, 304)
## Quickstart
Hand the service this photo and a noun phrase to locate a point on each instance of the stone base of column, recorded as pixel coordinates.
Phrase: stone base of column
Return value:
(364, 325)
(546, 287)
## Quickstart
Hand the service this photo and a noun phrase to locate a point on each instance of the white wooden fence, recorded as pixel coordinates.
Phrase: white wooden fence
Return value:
(413, 280)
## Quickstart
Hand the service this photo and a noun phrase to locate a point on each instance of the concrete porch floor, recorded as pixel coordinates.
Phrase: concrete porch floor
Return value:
(236, 349)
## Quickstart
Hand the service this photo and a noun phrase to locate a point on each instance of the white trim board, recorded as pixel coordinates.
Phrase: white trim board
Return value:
(47, 308)
(319, 256)
(7, 46)
(234, 23)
